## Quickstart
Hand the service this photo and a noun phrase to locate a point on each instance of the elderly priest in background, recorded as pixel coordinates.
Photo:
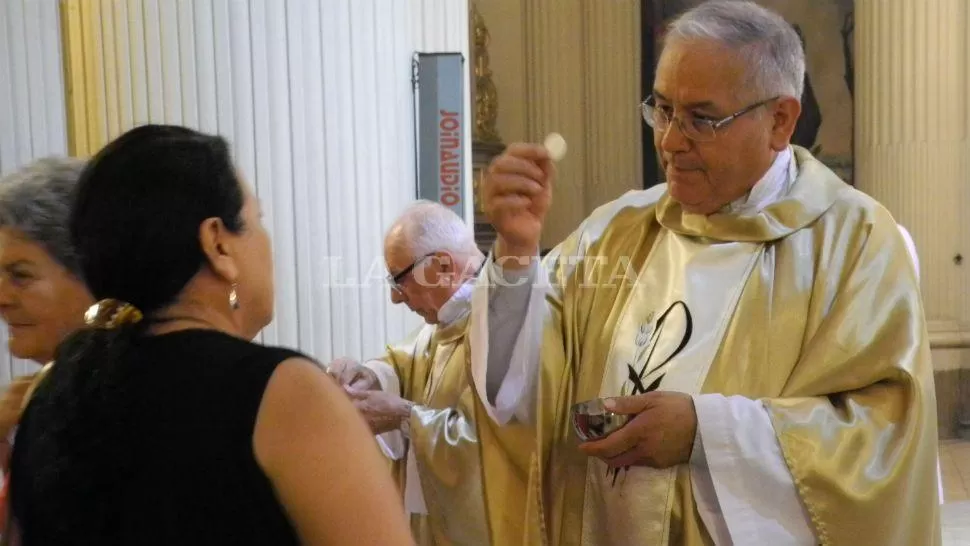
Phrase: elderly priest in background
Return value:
(462, 476)
(759, 319)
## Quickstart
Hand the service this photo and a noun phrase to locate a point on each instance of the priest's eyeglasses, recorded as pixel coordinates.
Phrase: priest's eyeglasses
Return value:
(396, 279)
(695, 127)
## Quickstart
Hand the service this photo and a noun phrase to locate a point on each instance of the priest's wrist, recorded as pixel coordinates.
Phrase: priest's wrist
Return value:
(514, 257)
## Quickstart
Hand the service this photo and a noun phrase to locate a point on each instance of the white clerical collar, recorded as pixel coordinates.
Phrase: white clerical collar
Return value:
(458, 305)
(773, 186)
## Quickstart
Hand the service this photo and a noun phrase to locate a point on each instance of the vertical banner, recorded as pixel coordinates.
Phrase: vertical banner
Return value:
(439, 88)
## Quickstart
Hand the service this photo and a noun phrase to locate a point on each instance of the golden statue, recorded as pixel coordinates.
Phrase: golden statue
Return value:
(486, 96)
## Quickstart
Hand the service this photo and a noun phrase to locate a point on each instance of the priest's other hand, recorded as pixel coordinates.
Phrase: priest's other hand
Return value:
(383, 411)
(347, 372)
(660, 436)
(516, 194)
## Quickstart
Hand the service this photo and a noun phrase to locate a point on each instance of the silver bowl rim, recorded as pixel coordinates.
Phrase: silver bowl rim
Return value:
(597, 403)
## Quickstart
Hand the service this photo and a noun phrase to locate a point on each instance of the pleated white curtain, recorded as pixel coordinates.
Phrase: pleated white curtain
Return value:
(316, 99)
(32, 113)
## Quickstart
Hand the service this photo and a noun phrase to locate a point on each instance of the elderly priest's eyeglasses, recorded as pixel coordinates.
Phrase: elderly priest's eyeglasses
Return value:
(695, 127)
(396, 279)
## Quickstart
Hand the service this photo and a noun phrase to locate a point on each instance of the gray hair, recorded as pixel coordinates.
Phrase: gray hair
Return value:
(36, 201)
(429, 227)
(765, 41)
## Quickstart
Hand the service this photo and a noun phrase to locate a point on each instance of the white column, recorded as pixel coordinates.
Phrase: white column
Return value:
(614, 162)
(911, 128)
(571, 66)
(554, 62)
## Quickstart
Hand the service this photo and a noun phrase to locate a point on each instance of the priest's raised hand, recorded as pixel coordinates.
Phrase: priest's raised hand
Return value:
(516, 194)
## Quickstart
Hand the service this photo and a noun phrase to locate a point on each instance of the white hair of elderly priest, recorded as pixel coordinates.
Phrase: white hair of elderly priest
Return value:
(769, 45)
(427, 227)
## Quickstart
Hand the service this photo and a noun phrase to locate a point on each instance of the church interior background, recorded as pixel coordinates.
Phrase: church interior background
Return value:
(886, 106)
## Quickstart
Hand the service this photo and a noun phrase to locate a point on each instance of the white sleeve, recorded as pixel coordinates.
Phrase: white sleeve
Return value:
(744, 491)
(505, 337)
(393, 443)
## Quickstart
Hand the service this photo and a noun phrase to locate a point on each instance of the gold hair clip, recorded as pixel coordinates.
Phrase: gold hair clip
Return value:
(109, 314)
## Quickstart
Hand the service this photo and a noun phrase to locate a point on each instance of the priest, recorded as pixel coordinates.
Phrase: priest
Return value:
(463, 478)
(757, 319)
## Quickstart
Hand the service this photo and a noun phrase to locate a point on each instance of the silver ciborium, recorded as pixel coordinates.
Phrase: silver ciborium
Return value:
(592, 421)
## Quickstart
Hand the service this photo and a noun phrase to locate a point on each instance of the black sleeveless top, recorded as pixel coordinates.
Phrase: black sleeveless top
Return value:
(166, 459)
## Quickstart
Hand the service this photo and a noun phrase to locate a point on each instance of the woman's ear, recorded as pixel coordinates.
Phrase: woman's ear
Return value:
(216, 243)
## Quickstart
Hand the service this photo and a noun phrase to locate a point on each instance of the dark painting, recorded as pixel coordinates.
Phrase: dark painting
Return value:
(826, 29)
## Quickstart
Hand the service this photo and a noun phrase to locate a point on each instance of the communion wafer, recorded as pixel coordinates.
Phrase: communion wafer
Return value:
(556, 145)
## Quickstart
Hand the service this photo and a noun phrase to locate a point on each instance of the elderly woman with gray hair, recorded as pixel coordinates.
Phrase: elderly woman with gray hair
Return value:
(42, 296)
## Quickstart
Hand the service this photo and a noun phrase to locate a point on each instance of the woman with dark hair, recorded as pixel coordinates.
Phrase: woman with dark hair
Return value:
(160, 422)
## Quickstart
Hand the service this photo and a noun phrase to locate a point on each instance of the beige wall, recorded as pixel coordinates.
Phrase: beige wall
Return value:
(507, 55)
(911, 153)
(912, 150)
(571, 66)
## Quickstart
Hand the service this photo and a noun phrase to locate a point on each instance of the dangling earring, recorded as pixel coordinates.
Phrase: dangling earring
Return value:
(233, 297)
